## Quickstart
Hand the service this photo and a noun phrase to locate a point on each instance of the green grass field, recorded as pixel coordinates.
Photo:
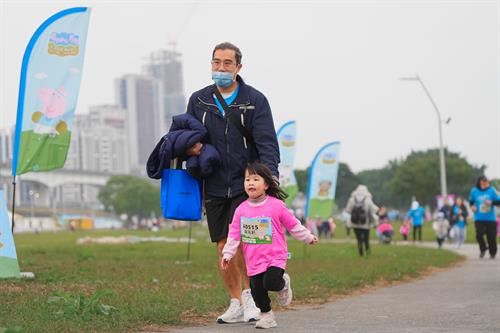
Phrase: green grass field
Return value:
(129, 287)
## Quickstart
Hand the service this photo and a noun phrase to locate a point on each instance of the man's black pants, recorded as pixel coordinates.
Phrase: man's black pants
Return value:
(363, 237)
(489, 229)
(417, 228)
(260, 284)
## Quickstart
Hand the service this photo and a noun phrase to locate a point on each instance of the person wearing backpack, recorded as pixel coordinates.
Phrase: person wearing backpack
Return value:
(363, 216)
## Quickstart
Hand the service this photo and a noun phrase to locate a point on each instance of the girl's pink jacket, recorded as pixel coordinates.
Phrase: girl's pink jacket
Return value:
(258, 257)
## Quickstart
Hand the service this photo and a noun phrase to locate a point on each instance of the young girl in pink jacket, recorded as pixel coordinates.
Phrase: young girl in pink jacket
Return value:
(260, 223)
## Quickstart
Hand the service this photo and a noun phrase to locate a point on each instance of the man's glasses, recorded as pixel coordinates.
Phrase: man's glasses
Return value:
(227, 64)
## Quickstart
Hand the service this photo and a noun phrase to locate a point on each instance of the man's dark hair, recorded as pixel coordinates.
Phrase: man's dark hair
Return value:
(480, 179)
(229, 46)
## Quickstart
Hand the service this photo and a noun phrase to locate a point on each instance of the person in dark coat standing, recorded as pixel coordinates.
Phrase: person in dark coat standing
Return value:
(241, 128)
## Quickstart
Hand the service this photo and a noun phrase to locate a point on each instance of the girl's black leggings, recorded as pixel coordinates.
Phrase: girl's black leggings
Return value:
(260, 284)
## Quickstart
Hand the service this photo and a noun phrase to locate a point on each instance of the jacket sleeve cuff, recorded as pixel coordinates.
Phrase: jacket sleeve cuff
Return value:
(230, 248)
(300, 233)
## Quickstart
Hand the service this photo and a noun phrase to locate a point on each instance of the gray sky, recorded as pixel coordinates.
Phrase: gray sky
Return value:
(333, 66)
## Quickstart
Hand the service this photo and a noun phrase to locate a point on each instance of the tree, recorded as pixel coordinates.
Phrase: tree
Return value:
(377, 179)
(108, 193)
(130, 195)
(302, 177)
(347, 182)
(495, 183)
(418, 175)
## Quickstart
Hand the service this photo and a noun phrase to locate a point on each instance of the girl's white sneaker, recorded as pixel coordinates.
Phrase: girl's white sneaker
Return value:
(266, 320)
(285, 295)
(250, 311)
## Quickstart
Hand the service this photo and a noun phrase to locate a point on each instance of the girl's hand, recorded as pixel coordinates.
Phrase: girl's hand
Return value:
(314, 241)
(224, 264)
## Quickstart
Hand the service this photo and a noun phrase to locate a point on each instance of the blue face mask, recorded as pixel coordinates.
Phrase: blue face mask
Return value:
(223, 79)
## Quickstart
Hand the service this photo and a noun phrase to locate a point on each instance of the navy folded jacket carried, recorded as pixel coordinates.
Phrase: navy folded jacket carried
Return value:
(185, 131)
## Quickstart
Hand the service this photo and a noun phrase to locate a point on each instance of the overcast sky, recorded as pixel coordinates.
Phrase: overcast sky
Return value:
(333, 66)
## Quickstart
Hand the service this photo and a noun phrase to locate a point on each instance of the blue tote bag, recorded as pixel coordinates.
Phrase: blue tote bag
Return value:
(180, 195)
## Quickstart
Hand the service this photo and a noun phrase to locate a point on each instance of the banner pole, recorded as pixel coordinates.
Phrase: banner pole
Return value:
(189, 239)
(13, 201)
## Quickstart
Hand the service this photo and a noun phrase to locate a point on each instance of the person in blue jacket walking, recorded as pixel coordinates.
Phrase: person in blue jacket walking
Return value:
(416, 215)
(482, 200)
(241, 128)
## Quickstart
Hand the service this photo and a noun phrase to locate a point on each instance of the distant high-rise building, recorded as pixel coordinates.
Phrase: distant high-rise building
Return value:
(6, 140)
(141, 97)
(166, 66)
(99, 144)
(99, 141)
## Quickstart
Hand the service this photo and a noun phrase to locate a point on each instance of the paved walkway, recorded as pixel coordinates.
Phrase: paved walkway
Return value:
(462, 300)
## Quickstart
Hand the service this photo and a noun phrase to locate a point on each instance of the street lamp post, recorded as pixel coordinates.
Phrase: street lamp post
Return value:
(442, 163)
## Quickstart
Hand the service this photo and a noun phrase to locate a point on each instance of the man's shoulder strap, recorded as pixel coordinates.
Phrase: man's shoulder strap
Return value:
(230, 116)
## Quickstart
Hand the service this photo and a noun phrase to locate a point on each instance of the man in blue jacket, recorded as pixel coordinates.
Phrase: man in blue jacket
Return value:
(242, 130)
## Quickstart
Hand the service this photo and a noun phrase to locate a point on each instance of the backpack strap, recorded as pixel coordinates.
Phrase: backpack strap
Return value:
(360, 201)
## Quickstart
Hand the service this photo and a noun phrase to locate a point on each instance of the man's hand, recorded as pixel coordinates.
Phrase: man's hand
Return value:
(224, 264)
(195, 150)
(314, 241)
(473, 208)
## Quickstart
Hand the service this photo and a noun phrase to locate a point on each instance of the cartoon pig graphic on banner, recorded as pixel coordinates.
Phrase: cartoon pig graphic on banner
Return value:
(50, 119)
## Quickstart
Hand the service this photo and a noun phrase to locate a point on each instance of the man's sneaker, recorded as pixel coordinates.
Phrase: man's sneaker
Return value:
(250, 311)
(266, 320)
(481, 254)
(285, 295)
(234, 314)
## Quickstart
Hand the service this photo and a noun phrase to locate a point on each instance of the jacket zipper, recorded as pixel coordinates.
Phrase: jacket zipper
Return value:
(231, 106)
(207, 103)
(225, 136)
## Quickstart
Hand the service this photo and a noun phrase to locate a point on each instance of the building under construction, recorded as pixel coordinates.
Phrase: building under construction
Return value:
(166, 66)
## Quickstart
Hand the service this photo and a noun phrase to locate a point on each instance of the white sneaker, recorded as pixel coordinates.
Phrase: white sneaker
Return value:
(250, 310)
(285, 295)
(234, 314)
(266, 320)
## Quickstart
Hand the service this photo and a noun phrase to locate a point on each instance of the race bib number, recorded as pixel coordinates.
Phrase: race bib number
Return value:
(484, 208)
(256, 230)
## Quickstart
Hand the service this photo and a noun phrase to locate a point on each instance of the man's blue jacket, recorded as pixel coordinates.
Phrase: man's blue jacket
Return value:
(252, 109)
